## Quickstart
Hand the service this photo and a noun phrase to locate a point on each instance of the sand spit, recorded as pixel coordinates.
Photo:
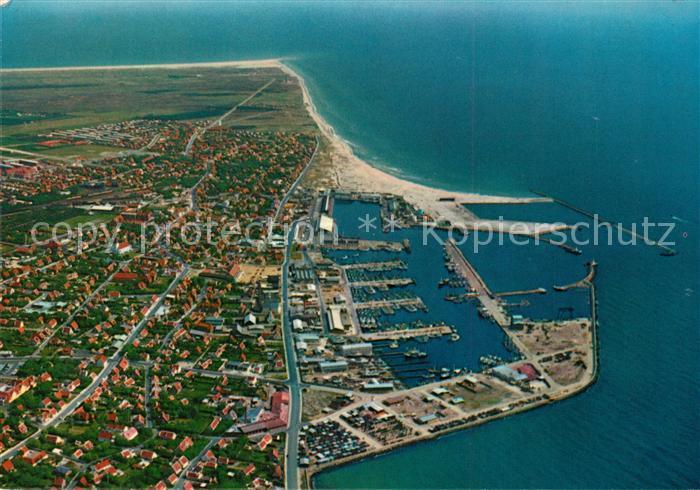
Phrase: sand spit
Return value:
(353, 173)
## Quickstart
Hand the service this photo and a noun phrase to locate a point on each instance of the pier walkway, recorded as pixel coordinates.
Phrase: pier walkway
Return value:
(408, 333)
(385, 265)
(488, 300)
(380, 283)
(342, 243)
(523, 291)
(665, 250)
(583, 283)
(382, 303)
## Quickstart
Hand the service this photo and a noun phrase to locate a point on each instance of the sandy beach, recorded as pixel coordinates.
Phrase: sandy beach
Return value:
(354, 174)
(264, 63)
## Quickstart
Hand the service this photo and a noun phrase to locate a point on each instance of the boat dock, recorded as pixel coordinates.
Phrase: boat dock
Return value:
(342, 243)
(383, 283)
(407, 333)
(522, 292)
(489, 302)
(385, 265)
(391, 303)
(460, 298)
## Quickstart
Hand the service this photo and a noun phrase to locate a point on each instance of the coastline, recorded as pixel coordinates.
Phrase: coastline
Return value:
(261, 63)
(355, 174)
(358, 175)
(310, 473)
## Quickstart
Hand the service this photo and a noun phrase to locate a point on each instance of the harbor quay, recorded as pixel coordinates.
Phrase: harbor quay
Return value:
(373, 347)
(229, 316)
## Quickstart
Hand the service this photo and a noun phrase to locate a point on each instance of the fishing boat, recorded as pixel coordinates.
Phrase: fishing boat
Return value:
(415, 354)
(490, 360)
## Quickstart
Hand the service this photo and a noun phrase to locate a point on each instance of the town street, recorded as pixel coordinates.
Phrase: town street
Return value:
(109, 366)
(292, 449)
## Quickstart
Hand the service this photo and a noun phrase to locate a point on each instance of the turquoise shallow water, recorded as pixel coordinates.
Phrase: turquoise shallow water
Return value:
(596, 103)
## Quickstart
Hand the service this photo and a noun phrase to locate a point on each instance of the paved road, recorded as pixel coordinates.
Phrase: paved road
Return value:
(292, 449)
(181, 480)
(197, 133)
(70, 318)
(295, 184)
(236, 374)
(113, 361)
(193, 191)
(322, 304)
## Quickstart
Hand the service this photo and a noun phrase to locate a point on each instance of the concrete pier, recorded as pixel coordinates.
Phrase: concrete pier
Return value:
(583, 283)
(488, 300)
(380, 283)
(523, 291)
(392, 303)
(408, 333)
(385, 265)
(665, 250)
(364, 245)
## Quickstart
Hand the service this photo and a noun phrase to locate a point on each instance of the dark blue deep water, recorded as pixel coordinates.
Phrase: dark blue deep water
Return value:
(595, 103)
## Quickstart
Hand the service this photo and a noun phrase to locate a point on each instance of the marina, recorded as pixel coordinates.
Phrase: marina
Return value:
(408, 303)
(384, 265)
(345, 243)
(491, 308)
(435, 108)
(431, 331)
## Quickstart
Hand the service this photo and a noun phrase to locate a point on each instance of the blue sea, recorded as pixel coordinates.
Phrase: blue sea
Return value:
(596, 103)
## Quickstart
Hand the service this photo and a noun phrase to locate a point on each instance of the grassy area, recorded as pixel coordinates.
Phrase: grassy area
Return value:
(90, 218)
(17, 226)
(314, 403)
(87, 151)
(38, 102)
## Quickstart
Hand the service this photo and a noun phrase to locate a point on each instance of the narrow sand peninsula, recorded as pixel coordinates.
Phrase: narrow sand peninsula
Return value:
(266, 63)
(354, 174)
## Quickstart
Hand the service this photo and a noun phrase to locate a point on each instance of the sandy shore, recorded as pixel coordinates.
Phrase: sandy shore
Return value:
(353, 173)
(264, 63)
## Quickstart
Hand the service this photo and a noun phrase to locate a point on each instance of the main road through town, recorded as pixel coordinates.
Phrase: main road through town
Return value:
(69, 407)
(292, 449)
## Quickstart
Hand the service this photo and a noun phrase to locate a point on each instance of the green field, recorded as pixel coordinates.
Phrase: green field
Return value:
(36, 102)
